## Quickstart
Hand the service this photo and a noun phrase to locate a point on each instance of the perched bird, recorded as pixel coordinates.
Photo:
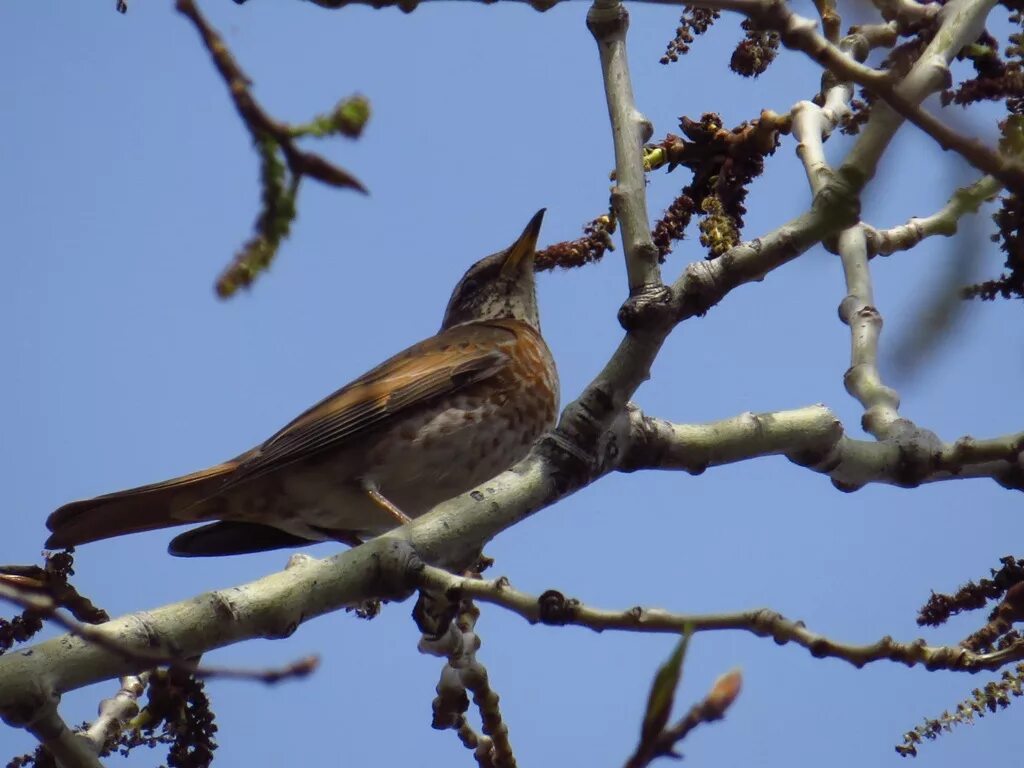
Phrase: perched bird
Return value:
(432, 422)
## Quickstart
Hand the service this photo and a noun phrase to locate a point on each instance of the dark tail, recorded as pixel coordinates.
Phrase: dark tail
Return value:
(232, 538)
(187, 499)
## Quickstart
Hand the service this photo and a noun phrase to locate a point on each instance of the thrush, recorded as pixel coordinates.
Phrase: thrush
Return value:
(435, 420)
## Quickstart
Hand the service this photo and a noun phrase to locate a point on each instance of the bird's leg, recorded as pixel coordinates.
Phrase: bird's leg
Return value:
(382, 501)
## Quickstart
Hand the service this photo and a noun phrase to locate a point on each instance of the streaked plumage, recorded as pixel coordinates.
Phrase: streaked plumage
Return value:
(432, 422)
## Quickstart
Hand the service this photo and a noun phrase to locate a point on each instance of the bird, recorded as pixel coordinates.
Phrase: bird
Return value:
(434, 421)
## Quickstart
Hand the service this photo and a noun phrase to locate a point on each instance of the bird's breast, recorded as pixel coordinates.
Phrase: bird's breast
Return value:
(451, 446)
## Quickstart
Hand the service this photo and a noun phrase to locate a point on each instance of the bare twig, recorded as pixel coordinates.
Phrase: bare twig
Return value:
(657, 737)
(51, 581)
(116, 711)
(812, 124)
(553, 608)
(464, 672)
(863, 380)
(608, 21)
(943, 222)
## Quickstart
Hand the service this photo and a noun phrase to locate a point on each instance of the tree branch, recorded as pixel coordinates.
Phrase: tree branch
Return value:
(116, 711)
(95, 633)
(554, 609)
(255, 118)
(585, 446)
(863, 380)
(812, 124)
(814, 438)
(708, 710)
(67, 748)
(799, 33)
(272, 140)
(944, 221)
(273, 606)
(962, 21)
(464, 672)
(608, 21)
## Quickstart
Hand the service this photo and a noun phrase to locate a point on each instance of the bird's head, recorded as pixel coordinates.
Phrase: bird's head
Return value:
(499, 286)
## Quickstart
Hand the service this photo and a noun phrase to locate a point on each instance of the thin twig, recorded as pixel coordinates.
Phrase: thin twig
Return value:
(553, 608)
(708, 710)
(608, 21)
(280, 179)
(116, 711)
(812, 124)
(464, 672)
(255, 118)
(944, 221)
(907, 13)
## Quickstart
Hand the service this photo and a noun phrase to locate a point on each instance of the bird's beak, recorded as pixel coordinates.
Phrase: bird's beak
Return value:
(524, 247)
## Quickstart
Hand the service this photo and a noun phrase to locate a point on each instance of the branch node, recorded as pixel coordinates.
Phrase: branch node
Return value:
(555, 609)
(649, 307)
(607, 19)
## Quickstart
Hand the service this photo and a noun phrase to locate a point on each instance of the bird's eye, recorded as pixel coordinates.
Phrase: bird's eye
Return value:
(470, 285)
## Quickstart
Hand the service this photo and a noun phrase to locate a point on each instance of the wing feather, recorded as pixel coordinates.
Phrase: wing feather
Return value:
(434, 368)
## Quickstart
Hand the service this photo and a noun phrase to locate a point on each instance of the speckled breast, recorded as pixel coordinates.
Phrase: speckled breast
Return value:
(471, 436)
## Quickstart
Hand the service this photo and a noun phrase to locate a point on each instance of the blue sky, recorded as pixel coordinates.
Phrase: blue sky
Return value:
(129, 181)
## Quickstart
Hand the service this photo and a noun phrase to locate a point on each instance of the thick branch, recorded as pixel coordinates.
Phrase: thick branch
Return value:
(46, 608)
(273, 606)
(253, 115)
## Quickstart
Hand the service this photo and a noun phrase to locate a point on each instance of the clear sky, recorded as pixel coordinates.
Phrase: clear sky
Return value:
(127, 183)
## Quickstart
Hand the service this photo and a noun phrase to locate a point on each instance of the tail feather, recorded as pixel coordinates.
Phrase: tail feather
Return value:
(187, 499)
